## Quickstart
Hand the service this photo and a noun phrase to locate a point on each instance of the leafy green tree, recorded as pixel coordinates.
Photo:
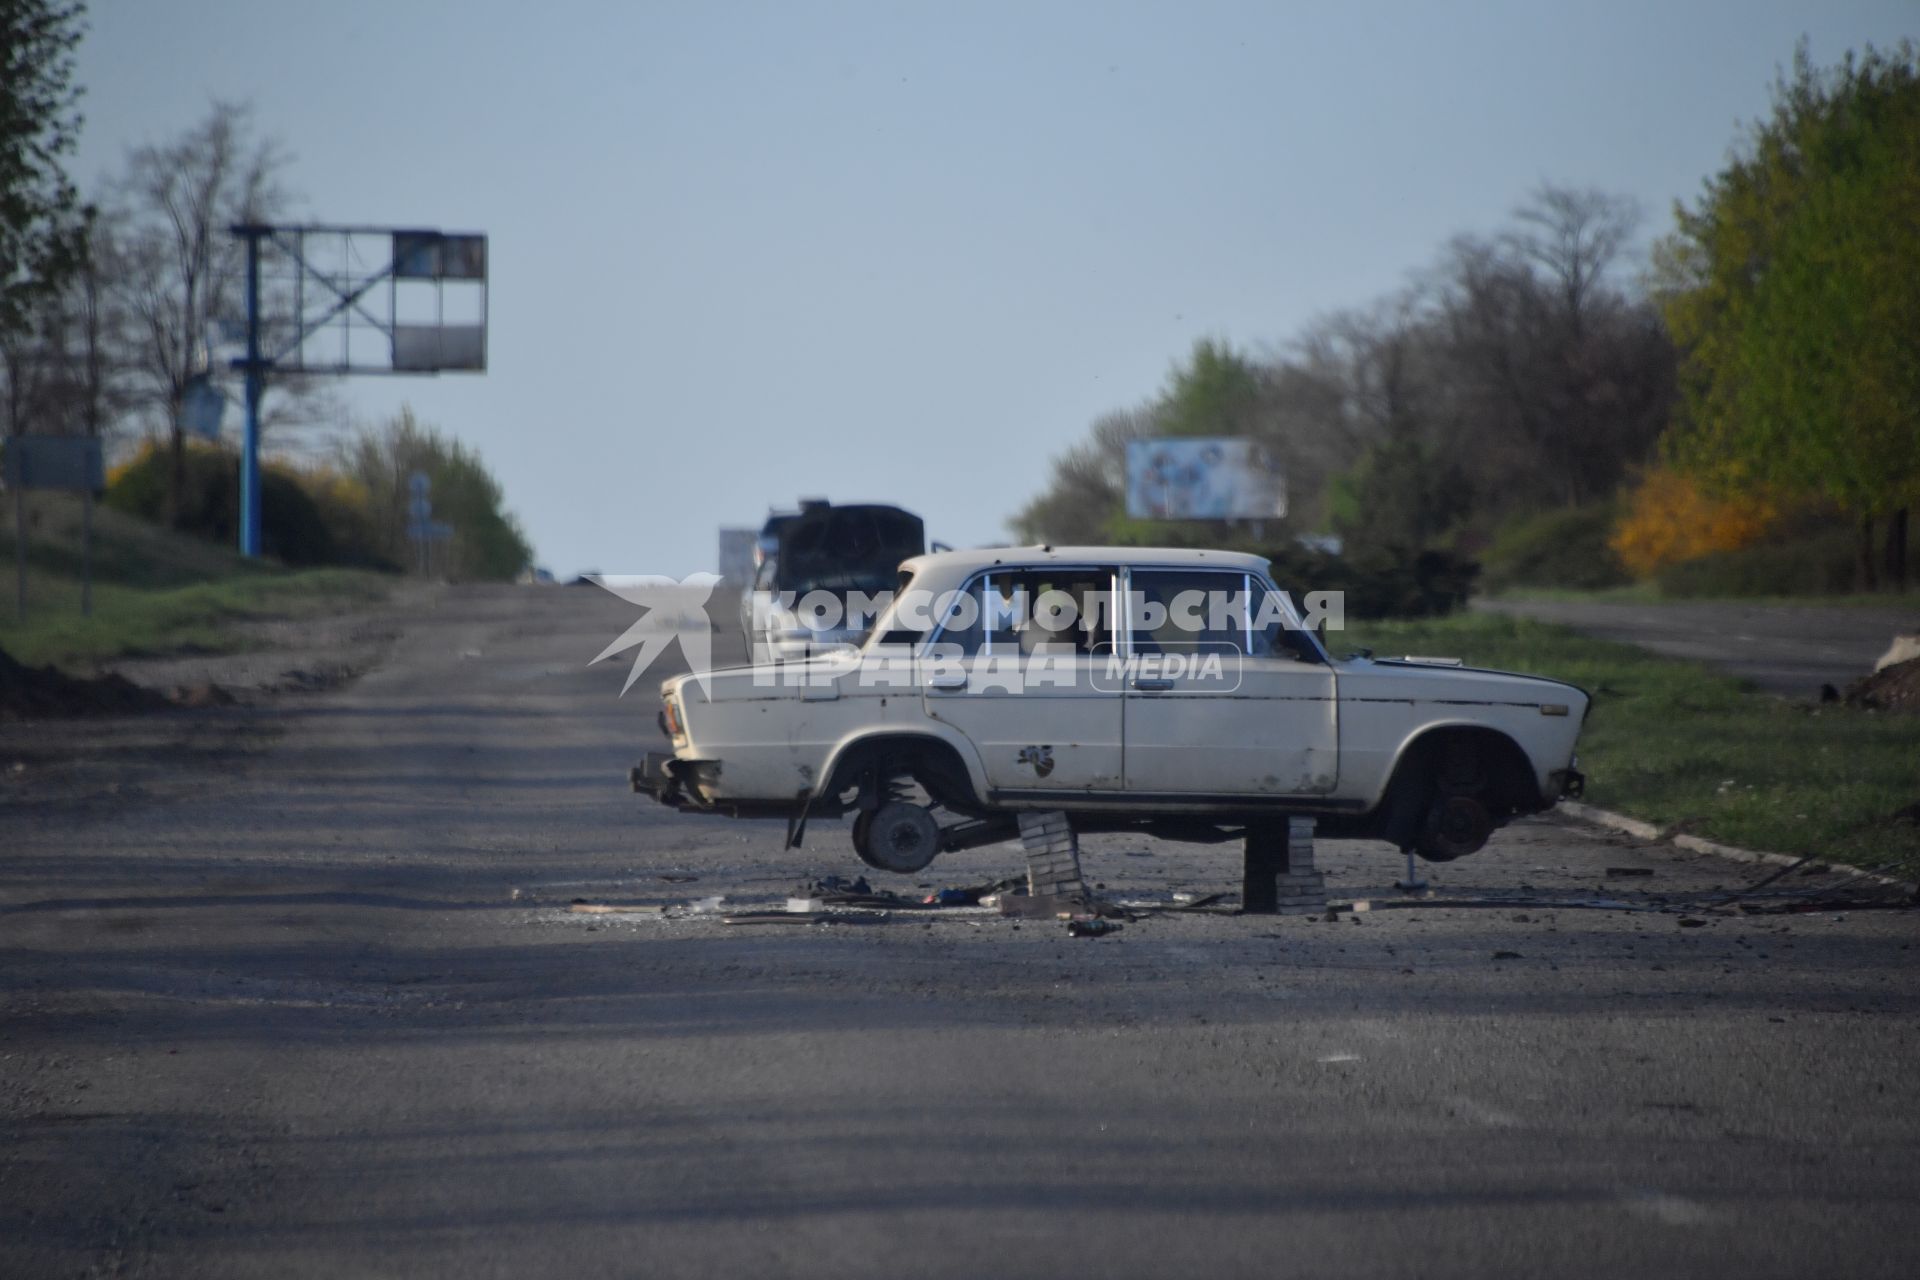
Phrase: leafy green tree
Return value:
(487, 542)
(1403, 497)
(43, 228)
(1793, 290)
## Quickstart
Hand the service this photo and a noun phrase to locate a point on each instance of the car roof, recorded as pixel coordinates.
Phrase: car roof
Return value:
(961, 564)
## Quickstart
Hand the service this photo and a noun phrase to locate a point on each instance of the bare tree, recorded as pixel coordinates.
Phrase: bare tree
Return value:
(60, 370)
(1574, 236)
(1561, 382)
(179, 272)
(1088, 487)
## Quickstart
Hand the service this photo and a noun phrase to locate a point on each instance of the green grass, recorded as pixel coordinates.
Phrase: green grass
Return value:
(1649, 593)
(1676, 743)
(131, 622)
(155, 592)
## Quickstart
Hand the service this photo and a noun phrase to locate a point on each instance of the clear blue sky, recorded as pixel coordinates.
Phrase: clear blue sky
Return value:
(908, 251)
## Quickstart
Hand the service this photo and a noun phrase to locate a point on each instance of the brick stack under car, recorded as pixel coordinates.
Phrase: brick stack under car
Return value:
(1053, 856)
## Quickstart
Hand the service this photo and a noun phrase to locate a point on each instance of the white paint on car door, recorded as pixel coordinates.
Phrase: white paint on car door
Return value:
(1261, 720)
(1035, 711)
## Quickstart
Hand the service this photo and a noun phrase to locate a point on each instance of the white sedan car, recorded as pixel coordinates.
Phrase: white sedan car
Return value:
(1178, 692)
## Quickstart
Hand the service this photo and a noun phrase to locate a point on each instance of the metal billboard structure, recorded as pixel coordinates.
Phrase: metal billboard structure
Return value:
(354, 300)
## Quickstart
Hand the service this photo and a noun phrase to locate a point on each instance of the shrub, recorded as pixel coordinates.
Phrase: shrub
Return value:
(1563, 548)
(487, 542)
(293, 526)
(1809, 559)
(1669, 519)
(1379, 583)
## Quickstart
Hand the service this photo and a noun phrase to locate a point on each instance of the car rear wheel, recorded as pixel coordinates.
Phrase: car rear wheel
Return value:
(899, 836)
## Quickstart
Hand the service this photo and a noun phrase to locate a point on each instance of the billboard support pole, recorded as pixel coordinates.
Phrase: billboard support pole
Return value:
(250, 446)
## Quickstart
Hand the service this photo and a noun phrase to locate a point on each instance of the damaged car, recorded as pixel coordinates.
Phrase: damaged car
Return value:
(1177, 692)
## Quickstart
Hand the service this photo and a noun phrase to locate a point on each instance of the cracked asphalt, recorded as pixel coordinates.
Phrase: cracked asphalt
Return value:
(293, 989)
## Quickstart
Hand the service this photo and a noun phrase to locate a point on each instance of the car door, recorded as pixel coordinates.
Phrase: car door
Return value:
(1222, 697)
(1015, 668)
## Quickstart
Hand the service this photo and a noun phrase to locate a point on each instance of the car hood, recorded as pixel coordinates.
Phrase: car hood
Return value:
(1434, 681)
(794, 679)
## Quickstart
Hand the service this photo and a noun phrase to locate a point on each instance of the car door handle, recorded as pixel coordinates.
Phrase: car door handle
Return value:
(948, 681)
(1153, 686)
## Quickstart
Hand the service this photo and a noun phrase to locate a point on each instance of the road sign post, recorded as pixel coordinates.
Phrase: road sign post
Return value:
(70, 463)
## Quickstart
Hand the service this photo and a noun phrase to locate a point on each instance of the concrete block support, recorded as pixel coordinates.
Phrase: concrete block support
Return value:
(1053, 855)
(1279, 875)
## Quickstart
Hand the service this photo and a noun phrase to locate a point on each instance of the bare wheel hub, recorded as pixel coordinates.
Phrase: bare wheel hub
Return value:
(900, 836)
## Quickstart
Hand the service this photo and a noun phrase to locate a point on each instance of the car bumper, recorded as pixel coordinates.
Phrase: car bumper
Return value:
(692, 786)
(671, 780)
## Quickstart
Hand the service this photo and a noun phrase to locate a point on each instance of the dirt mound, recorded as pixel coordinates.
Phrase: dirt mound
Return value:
(29, 693)
(202, 695)
(1894, 688)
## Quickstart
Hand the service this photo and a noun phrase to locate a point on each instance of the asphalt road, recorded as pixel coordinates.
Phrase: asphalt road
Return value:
(293, 990)
(1790, 650)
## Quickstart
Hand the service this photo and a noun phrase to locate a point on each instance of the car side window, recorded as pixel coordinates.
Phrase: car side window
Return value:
(961, 633)
(1275, 638)
(1057, 612)
(1211, 611)
(1190, 611)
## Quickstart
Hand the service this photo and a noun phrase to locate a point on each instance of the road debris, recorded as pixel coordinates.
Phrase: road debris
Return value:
(1622, 873)
(616, 909)
(1091, 928)
(1891, 688)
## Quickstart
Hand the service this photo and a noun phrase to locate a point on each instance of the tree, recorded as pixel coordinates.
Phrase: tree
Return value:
(42, 226)
(1088, 488)
(59, 374)
(1520, 362)
(487, 542)
(1557, 382)
(1793, 289)
(1574, 236)
(179, 272)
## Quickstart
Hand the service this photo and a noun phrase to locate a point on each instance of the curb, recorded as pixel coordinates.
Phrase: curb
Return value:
(1595, 816)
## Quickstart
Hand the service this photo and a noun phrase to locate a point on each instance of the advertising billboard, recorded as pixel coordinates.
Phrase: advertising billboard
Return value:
(1203, 478)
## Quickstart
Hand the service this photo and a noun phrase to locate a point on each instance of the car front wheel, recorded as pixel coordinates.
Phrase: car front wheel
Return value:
(899, 836)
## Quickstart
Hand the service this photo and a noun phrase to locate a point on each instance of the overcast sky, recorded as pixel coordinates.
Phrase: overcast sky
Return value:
(907, 252)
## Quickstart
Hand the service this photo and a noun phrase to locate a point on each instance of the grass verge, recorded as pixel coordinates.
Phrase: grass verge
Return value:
(133, 621)
(1673, 742)
(1650, 593)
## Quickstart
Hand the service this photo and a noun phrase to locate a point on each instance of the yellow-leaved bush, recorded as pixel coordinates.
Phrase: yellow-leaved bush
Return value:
(1669, 518)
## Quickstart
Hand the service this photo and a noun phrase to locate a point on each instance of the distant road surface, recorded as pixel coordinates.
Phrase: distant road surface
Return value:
(1785, 649)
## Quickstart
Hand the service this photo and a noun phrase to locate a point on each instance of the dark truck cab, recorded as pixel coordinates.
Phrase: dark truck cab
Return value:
(819, 570)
